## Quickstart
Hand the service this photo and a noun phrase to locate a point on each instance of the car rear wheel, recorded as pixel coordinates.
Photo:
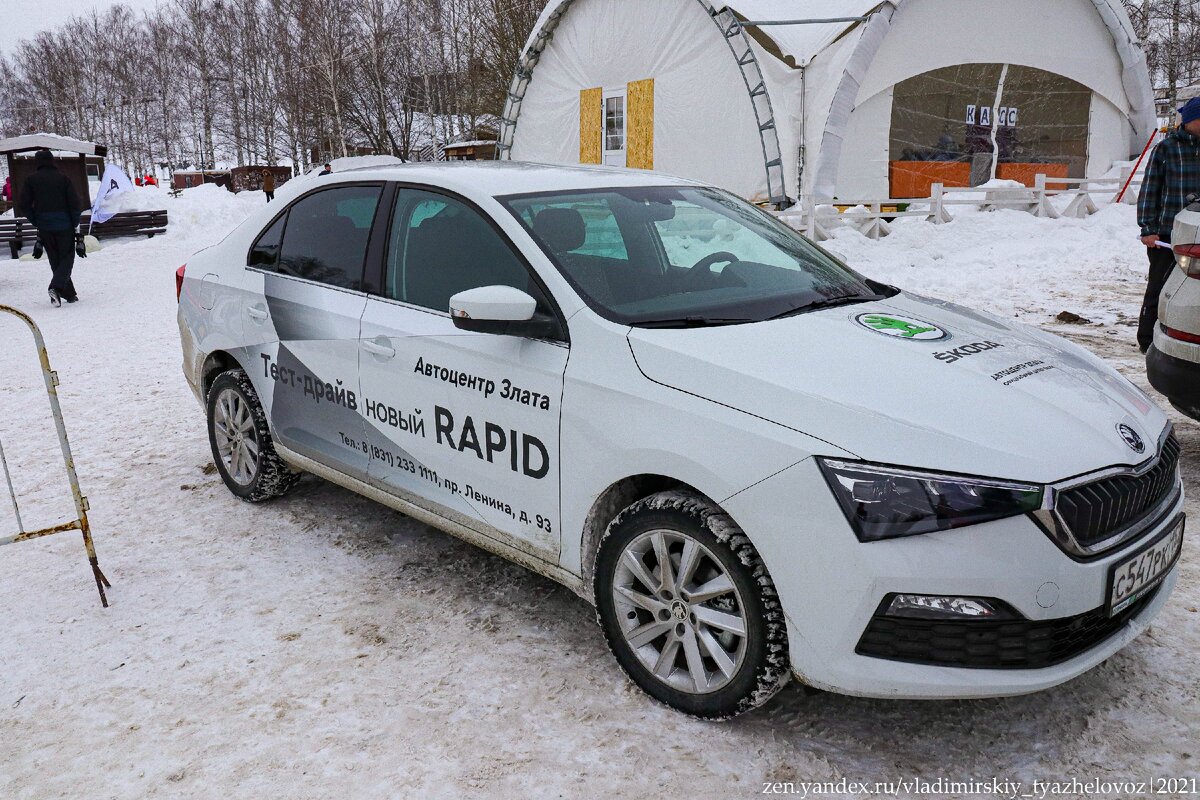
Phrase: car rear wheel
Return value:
(688, 607)
(241, 441)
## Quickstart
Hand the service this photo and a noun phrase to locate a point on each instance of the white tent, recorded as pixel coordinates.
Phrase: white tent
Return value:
(853, 99)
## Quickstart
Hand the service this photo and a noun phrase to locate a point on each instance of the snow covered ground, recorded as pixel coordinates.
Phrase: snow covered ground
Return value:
(325, 647)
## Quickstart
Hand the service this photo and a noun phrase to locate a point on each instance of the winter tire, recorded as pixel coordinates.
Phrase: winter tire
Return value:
(241, 441)
(706, 635)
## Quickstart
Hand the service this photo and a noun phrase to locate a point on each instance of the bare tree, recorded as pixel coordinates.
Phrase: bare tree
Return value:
(202, 82)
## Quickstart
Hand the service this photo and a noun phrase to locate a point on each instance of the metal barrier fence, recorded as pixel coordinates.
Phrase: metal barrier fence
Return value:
(873, 218)
(81, 504)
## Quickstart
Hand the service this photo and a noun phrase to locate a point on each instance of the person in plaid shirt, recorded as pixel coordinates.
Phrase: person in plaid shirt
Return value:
(1171, 176)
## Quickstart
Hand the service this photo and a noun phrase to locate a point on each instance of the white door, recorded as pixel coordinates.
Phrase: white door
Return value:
(614, 128)
(465, 421)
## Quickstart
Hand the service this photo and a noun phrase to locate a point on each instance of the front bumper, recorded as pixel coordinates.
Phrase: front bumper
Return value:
(831, 585)
(1177, 378)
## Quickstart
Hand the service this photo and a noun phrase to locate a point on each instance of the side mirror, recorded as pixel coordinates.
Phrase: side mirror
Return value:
(501, 310)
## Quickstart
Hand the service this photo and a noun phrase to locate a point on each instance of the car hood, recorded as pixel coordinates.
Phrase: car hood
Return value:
(986, 398)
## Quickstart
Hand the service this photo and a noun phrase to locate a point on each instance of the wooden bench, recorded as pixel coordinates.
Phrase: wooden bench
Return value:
(13, 232)
(16, 231)
(128, 223)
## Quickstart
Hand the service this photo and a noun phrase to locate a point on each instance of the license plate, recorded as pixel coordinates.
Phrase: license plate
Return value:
(1141, 572)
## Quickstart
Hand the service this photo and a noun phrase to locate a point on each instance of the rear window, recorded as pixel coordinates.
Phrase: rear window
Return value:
(325, 237)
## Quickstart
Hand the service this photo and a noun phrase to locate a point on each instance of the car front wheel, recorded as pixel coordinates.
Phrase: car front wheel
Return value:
(688, 607)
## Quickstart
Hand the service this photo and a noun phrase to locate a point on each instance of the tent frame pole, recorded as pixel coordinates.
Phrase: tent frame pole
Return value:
(758, 23)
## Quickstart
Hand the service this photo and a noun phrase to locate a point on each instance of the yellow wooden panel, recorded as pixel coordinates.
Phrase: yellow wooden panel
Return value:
(639, 122)
(591, 126)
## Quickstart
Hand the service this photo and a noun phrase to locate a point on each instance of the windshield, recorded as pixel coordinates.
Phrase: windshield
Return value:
(683, 256)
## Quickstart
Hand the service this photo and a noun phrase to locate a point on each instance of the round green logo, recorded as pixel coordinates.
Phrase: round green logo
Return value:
(901, 327)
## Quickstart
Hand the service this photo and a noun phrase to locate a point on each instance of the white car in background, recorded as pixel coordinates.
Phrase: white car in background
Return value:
(1173, 361)
(755, 462)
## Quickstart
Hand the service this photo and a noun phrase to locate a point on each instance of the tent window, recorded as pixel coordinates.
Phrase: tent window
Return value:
(964, 125)
(614, 128)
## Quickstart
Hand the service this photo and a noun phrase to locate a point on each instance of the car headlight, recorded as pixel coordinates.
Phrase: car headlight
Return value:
(889, 502)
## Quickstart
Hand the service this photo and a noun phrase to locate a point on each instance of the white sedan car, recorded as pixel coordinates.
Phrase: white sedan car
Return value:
(754, 461)
(1173, 362)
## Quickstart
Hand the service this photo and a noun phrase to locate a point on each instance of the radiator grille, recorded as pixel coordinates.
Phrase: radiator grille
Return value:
(1095, 511)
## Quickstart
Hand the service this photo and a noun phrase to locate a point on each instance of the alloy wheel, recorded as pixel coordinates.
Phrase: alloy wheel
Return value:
(236, 436)
(680, 611)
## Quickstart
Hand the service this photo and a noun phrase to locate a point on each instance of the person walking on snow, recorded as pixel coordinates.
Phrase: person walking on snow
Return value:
(328, 169)
(268, 184)
(1171, 176)
(7, 193)
(50, 203)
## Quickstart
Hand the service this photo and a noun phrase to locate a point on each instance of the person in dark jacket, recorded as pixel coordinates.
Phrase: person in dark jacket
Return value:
(328, 169)
(51, 204)
(1171, 176)
(268, 184)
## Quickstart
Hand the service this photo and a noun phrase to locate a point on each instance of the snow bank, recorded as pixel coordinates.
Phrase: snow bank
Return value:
(349, 163)
(1010, 262)
(200, 215)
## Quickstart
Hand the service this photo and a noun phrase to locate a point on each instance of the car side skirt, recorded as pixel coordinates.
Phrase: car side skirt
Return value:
(551, 571)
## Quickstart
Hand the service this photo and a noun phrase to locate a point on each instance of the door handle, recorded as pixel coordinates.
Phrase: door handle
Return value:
(259, 312)
(378, 347)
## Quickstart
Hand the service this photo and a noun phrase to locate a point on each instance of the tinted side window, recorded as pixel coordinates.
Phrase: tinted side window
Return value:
(327, 233)
(441, 247)
(265, 252)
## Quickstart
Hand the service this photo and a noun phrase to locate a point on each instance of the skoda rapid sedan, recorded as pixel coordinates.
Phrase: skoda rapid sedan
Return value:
(754, 461)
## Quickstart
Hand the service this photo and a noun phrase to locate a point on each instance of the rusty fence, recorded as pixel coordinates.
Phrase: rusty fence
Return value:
(80, 523)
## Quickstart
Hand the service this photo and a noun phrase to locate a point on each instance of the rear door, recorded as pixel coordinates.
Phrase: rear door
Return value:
(465, 423)
(305, 304)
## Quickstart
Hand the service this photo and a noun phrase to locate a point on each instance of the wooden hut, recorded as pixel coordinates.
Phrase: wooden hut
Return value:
(73, 157)
(480, 150)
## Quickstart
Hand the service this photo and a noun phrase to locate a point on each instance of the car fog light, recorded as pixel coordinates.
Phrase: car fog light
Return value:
(924, 606)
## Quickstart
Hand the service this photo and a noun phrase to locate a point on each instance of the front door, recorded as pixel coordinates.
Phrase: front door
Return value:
(614, 128)
(465, 424)
(304, 309)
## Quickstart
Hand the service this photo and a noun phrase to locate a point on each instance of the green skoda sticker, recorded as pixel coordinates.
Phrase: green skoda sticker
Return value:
(901, 327)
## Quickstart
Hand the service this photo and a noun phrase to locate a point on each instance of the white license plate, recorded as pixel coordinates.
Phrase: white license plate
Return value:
(1139, 573)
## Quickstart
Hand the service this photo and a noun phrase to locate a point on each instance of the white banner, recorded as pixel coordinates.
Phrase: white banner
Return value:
(112, 184)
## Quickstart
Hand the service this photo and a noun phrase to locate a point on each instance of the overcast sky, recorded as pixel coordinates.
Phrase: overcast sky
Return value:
(21, 19)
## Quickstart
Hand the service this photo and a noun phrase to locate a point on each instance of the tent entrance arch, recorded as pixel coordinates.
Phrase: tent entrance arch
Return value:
(967, 124)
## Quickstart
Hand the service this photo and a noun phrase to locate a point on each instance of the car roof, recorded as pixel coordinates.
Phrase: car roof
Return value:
(499, 178)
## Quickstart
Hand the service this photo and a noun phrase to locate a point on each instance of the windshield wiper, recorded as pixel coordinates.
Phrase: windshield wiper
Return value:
(694, 321)
(829, 302)
(701, 321)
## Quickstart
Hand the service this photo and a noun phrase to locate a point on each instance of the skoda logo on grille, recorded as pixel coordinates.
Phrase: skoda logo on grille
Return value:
(1132, 438)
